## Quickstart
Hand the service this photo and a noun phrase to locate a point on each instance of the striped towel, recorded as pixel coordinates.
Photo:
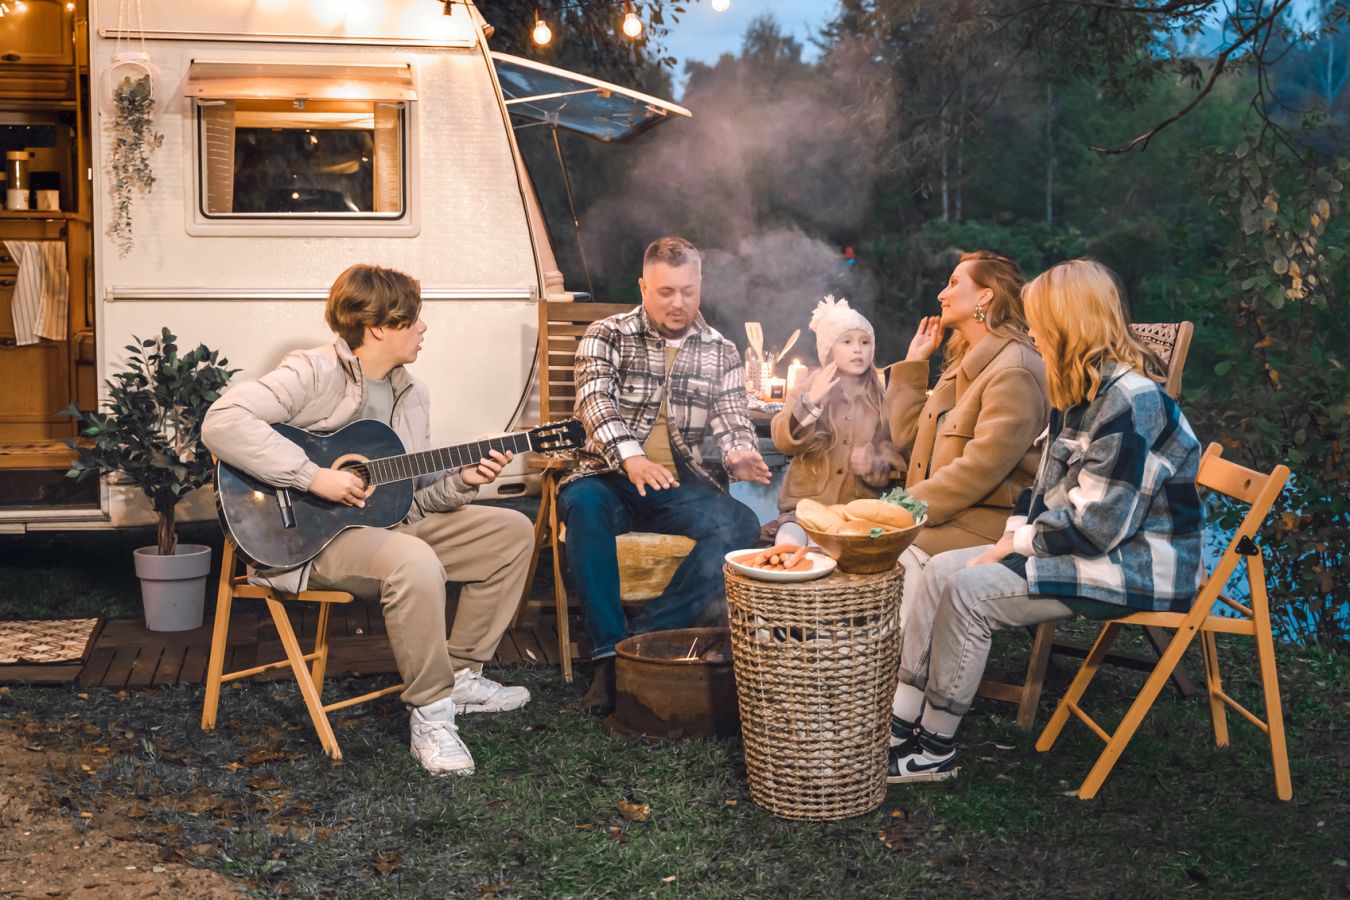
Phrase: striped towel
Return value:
(41, 304)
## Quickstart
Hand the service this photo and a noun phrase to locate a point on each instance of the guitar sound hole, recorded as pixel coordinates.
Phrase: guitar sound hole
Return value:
(358, 469)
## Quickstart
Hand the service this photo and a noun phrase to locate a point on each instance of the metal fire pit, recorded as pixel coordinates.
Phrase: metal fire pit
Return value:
(674, 684)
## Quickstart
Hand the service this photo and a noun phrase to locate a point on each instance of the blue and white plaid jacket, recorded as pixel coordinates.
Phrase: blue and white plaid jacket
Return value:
(1114, 514)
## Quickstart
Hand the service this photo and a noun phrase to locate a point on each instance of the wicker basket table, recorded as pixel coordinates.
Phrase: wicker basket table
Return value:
(816, 666)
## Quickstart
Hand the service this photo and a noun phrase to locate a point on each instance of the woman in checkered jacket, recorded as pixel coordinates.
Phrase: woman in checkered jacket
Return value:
(1110, 525)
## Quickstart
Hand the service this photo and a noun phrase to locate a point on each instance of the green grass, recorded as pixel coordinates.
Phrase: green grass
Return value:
(257, 800)
(540, 819)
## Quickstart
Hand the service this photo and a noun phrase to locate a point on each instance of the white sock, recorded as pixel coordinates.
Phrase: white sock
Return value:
(791, 533)
(940, 723)
(908, 702)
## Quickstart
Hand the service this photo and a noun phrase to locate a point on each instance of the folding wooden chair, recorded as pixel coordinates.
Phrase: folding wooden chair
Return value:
(234, 585)
(1170, 341)
(1259, 492)
(561, 325)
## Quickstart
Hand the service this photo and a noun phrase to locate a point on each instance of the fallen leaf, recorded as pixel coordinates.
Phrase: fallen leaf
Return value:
(668, 879)
(899, 814)
(85, 767)
(262, 756)
(491, 887)
(234, 766)
(584, 826)
(387, 861)
(728, 802)
(896, 836)
(264, 783)
(634, 812)
(616, 834)
(86, 815)
(136, 812)
(83, 696)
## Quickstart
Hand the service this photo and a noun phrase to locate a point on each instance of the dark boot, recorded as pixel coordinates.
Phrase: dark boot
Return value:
(599, 699)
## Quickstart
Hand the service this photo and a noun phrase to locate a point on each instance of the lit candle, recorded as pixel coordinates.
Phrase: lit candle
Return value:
(796, 372)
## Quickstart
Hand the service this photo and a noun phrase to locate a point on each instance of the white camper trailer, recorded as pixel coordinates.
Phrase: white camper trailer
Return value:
(299, 136)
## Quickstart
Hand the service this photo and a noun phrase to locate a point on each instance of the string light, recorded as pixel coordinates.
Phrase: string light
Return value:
(542, 34)
(632, 25)
(721, 5)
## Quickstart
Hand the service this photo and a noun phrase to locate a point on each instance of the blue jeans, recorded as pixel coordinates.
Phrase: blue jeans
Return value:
(601, 507)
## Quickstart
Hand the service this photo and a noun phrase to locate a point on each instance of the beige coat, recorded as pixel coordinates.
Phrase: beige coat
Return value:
(970, 466)
(829, 477)
(320, 390)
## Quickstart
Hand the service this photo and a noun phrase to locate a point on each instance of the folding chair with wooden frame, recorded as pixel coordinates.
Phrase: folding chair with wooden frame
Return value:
(1170, 341)
(1259, 491)
(234, 585)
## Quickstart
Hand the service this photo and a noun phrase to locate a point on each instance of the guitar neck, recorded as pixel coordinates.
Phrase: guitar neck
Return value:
(413, 465)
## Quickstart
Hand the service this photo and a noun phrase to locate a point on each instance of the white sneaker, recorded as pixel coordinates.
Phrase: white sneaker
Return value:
(436, 743)
(475, 692)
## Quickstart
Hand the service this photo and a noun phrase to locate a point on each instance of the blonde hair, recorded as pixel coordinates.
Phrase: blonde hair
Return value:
(371, 295)
(1003, 314)
(1079, 316)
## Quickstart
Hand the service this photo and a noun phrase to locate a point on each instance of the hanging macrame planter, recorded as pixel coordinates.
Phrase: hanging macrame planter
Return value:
(131, 90)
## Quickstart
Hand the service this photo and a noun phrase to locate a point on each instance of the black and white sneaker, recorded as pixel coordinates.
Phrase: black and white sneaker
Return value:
(901, 730)
(924, 757)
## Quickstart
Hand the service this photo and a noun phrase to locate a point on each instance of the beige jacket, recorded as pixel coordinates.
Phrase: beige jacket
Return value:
(970, 466)
(828, 477)
(320, 390)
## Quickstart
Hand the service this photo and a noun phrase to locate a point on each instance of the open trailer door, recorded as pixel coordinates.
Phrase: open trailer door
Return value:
(542, 95)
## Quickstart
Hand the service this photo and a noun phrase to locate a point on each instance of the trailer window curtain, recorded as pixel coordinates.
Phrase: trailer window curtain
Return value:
(218, 156)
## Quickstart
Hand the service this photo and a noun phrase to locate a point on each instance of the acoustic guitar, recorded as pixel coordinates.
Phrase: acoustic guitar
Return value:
(281, 528)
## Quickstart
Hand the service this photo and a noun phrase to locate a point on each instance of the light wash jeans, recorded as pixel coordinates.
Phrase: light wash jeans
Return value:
(952, 618)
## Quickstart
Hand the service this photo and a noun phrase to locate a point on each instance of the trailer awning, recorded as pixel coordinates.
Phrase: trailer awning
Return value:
(214, 80)
(545, 95)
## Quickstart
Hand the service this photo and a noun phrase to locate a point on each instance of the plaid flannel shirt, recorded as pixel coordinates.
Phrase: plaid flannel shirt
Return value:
(1114, 514)
(620, 378)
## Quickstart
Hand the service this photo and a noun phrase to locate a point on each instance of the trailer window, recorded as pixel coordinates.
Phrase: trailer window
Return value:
(306, 159)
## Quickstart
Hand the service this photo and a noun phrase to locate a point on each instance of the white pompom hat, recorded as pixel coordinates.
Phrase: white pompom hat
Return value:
(831, 319)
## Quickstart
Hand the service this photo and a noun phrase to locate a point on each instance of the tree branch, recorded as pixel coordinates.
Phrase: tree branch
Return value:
(1220, 62)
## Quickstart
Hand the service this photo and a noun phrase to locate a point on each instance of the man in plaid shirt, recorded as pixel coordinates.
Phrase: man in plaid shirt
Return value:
(651, 384)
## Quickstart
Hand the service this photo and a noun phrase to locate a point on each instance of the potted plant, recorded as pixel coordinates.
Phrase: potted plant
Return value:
(151, 434)
(132, 128)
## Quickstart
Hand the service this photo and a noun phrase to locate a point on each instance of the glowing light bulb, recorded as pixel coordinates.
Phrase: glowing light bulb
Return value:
(542, 34)
(70, 7)
(721, 5)
(20, 6)
(632, 25)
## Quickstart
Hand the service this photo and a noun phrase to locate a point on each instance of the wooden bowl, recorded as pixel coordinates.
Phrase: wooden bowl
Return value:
(863, 555)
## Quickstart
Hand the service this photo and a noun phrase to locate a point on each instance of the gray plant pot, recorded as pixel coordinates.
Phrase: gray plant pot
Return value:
(173, 588)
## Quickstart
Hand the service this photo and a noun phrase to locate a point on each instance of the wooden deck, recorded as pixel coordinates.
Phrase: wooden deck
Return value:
(126, 654)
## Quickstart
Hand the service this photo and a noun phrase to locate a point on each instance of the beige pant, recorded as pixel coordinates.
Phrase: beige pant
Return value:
(486, 549)
(912, 561)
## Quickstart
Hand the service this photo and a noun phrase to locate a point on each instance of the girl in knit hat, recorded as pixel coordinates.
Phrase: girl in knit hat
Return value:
(832, 424)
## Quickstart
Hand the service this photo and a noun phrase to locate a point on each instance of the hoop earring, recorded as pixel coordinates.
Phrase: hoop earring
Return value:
(980, 314)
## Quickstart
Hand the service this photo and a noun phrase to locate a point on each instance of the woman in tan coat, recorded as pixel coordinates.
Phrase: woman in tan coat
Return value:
(969, 442)
(833, 424)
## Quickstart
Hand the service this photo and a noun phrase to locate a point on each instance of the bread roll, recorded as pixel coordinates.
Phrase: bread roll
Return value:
(814, 514)
(839, 510)
(881, 512)
(862, 528)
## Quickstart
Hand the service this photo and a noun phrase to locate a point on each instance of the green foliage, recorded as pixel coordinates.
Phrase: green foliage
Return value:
(151, 430)
(134, 136)
(1284, 386)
